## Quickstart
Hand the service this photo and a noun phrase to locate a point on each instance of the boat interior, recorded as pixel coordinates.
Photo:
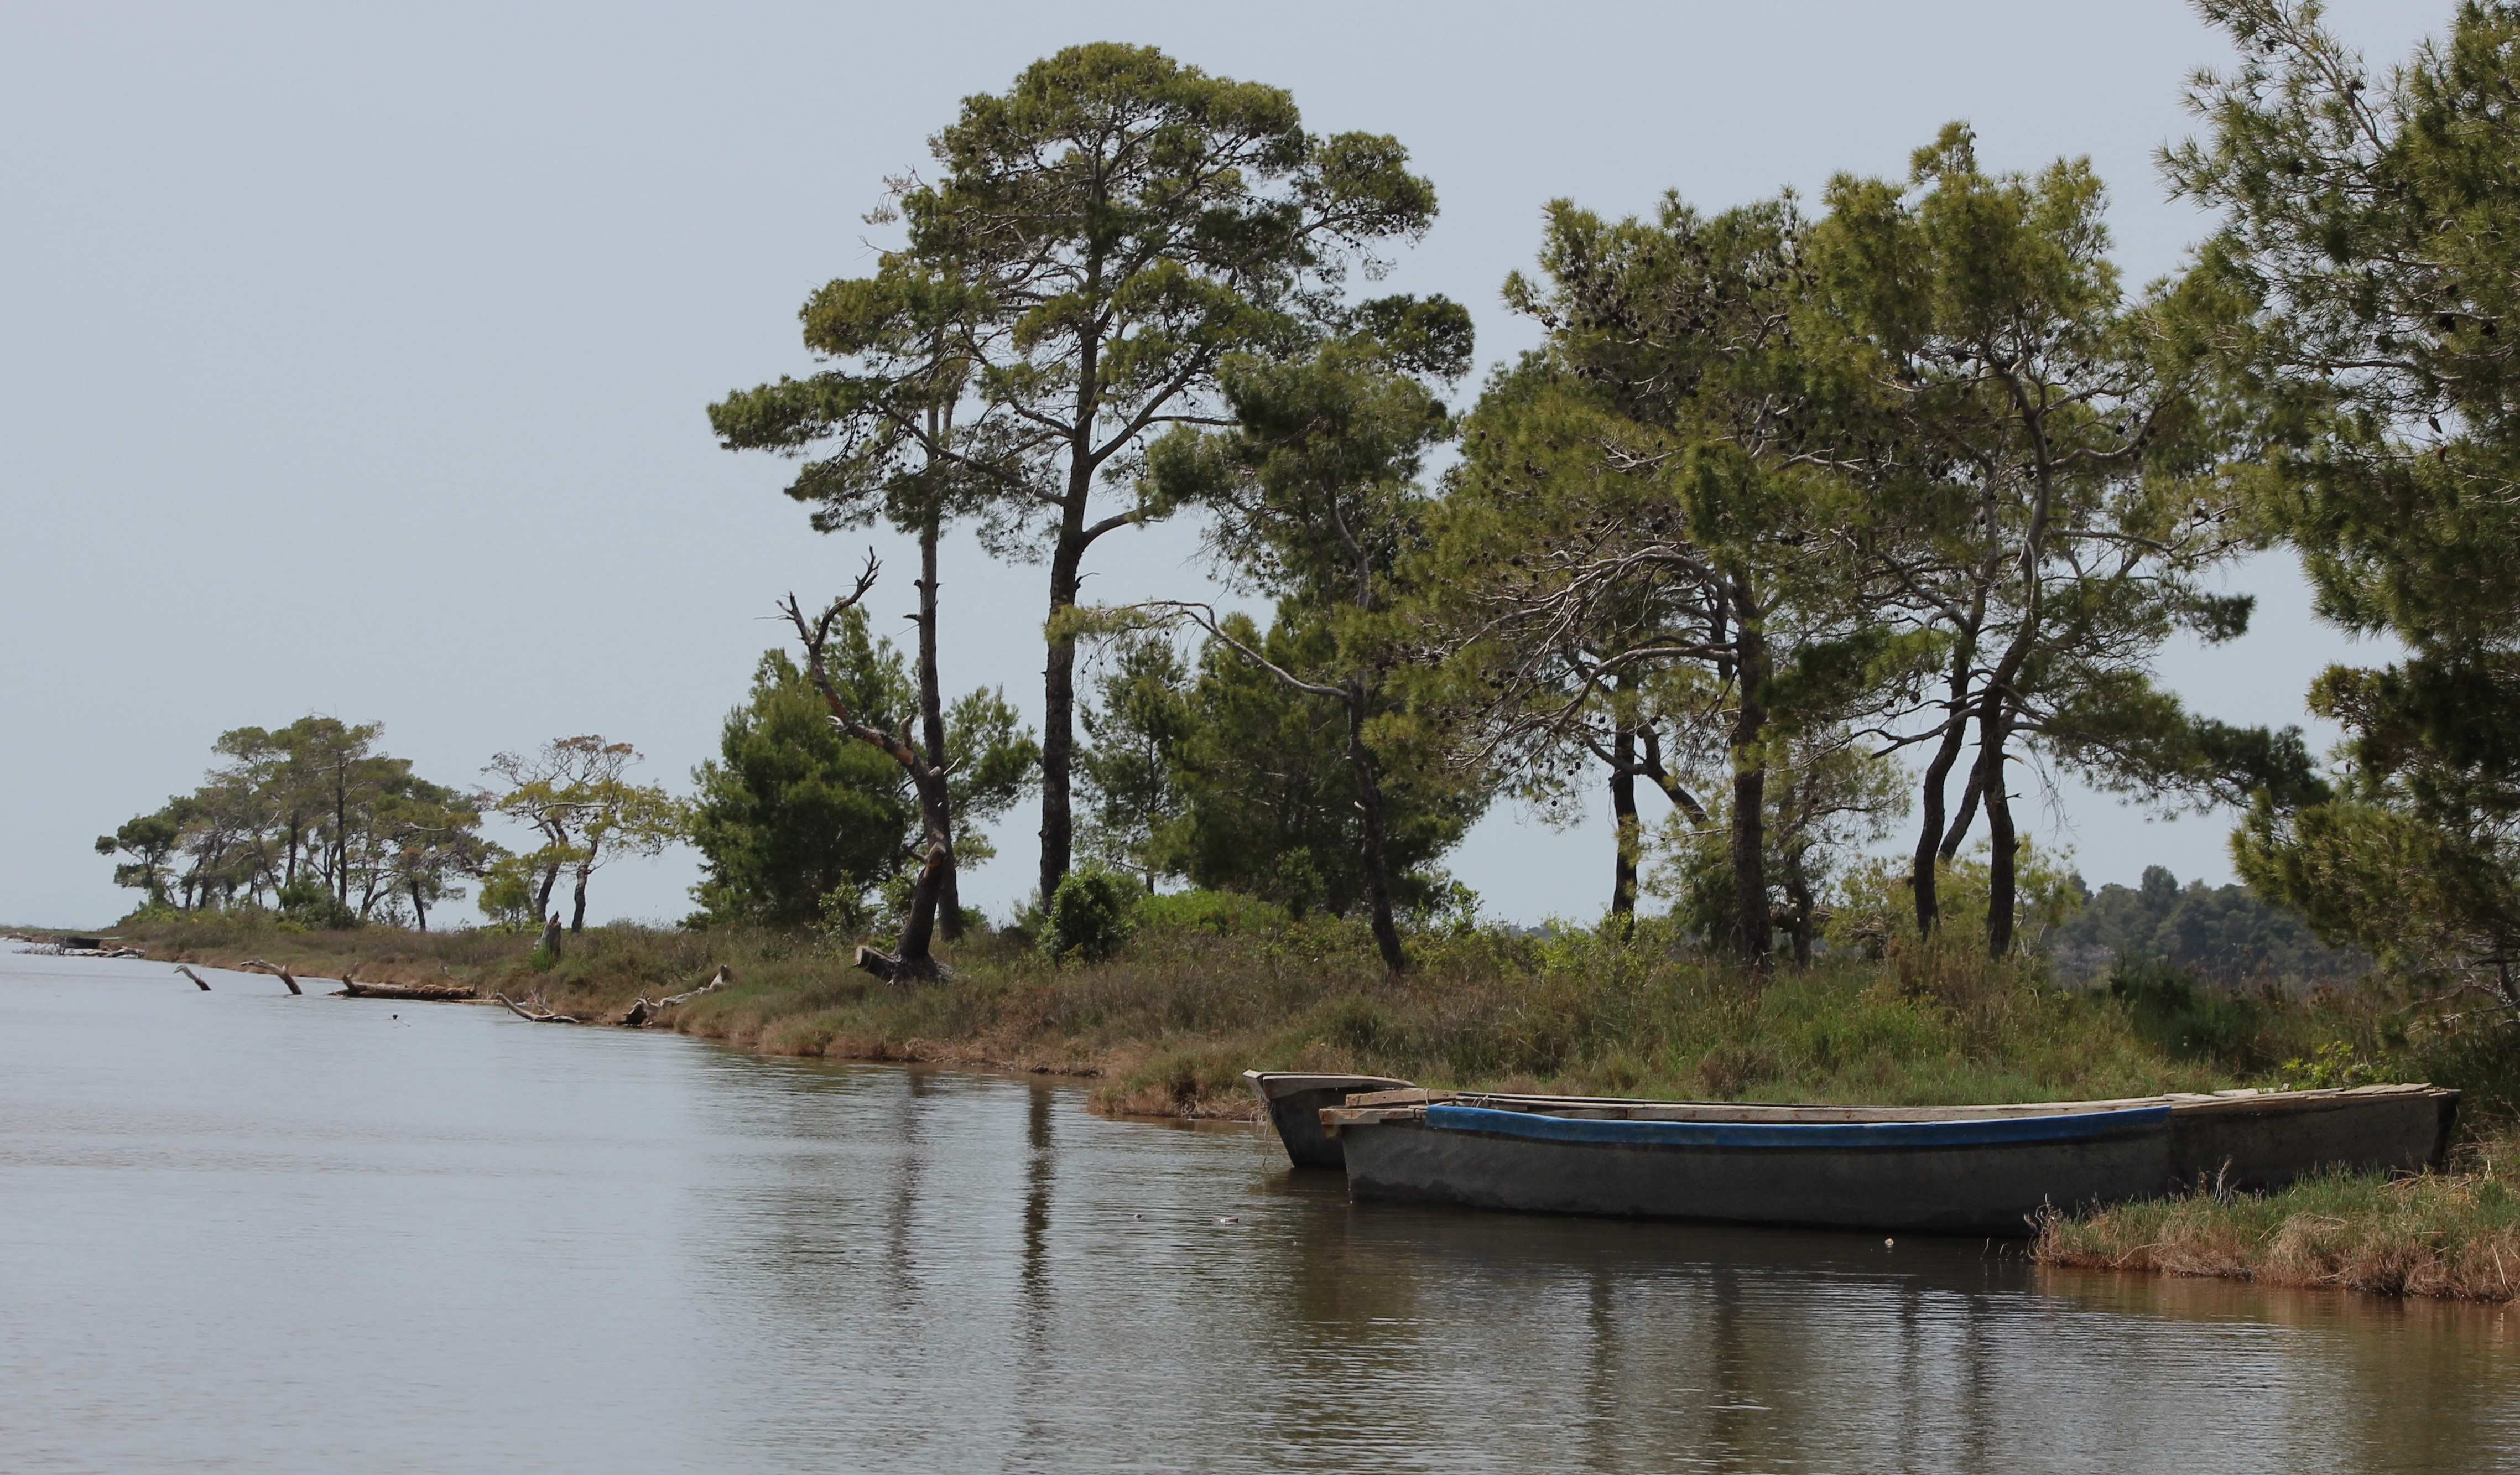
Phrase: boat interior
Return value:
(1365, 1107)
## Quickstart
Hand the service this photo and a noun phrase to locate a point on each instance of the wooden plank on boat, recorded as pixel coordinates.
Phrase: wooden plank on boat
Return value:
(1336, 1117)
(1411, 1096)
(2332, 1098)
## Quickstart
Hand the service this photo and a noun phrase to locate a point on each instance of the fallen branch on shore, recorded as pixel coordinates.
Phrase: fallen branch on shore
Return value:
(200, 982)
(419, 993)
(258, 965)
(643, 1011)
(537, 1014)
(885, 966)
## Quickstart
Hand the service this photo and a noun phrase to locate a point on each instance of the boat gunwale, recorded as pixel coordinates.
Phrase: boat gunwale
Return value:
(1960, 1132)
(1611, 1108)
(1274, 1086)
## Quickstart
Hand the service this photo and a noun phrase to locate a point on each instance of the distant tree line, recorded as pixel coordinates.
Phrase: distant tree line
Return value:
(310, 819)
(2219, 934)
(315, 823)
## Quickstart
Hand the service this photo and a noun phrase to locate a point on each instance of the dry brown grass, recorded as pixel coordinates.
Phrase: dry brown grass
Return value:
(2450, 1234)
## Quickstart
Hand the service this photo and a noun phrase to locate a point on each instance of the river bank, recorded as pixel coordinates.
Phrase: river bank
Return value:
(2453, 1234)
(1166, 1028)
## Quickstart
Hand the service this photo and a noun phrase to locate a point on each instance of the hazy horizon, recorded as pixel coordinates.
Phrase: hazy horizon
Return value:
(358, 361)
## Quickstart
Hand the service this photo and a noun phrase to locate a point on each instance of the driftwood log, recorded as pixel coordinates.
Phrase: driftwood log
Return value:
(419, 993)
(646, 1009)
(199, 981)
(258, 965)
(537, 1014)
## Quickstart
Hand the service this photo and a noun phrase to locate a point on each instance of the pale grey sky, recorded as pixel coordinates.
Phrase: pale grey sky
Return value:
(354, 360)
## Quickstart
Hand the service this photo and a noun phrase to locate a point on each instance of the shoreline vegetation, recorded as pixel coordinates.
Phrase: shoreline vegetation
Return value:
(1208, 985)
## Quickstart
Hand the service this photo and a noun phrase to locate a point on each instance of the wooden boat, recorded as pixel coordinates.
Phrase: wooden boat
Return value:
(1294, 1101)
(1974, 1170)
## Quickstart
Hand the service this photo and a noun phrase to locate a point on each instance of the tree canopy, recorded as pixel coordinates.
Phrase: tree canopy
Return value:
(2367, 235)
(1097, 240)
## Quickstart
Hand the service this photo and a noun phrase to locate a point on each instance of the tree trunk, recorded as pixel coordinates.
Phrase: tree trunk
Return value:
(577, 914)
(1623, 815)
(1799, 891)
(1958, 834)
(1750, 794)
(1924, 878)
(919, 927)
(342, 841)
(926, 778)
(931, 720)
(2001, 881)
(935, 872)
(1058, 702)
(418, 908)
(543, 896)
(1370, 807)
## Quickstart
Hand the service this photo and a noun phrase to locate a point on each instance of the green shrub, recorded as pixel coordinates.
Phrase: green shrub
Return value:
(1224, 912)
(2168, 1008)
(306, 903)
(2331, 1066)
(1087, 916)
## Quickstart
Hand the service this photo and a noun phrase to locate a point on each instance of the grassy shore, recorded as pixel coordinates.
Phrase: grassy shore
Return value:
(2451, 1234)
(1167, 1024)
(1165, 1027)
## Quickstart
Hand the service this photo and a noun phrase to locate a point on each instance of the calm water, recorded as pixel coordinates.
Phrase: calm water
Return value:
(239, 1230)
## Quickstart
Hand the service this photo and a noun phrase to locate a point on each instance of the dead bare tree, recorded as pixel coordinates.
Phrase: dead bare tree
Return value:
(913, 959)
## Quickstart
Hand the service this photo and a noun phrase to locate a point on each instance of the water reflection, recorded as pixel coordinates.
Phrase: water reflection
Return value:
(230, 1220)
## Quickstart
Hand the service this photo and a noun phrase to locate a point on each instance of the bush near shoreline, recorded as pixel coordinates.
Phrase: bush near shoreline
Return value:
(1207, 987)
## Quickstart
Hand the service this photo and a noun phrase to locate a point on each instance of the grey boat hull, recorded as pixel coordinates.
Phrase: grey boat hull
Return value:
(1975, 1169)
(2264, 1142)
(1958, 1186)
(1294, 1100)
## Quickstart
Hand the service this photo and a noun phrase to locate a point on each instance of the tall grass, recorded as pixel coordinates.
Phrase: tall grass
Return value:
(2454, 1235)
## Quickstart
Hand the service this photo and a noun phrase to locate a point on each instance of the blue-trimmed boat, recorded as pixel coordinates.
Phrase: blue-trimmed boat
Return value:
(1965, 1170)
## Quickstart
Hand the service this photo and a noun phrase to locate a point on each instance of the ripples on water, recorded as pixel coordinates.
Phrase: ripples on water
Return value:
(239, 1230)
